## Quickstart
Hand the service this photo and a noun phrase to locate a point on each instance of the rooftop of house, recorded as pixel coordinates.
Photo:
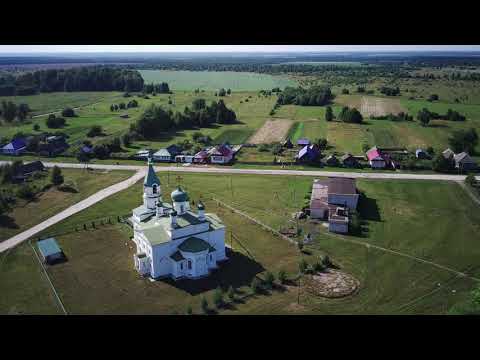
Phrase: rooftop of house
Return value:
(344, 186)
(463, 157)
(303, 141)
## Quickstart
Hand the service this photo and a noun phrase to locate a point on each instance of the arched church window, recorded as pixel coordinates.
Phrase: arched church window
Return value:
(189, 265)
(154, 189)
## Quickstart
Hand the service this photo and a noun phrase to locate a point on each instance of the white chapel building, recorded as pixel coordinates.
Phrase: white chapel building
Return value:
(173, 240)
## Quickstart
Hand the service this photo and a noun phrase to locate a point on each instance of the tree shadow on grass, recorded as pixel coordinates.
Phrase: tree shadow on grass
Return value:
(368, 208)
(8, 222)
(239, 270)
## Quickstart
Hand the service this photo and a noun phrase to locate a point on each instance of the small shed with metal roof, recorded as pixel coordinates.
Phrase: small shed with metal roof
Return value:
(49, 250)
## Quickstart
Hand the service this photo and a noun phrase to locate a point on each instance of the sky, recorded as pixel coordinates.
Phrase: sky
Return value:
(31, 49)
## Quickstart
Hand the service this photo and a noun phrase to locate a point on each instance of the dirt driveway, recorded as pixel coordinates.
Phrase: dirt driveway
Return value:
(272, 131)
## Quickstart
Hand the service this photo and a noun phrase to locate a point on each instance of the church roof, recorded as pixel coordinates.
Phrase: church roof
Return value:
(151, 178)
(156, 234)
(179, 195)
(194, 245)
(188, 218)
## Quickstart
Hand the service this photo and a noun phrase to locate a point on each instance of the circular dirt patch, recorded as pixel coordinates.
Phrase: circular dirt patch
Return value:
(332, 284)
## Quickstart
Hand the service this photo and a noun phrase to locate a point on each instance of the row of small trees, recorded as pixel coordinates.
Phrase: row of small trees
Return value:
(10, 111)
(121, 106)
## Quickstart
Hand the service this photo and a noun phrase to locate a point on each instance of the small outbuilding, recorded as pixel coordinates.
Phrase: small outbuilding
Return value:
(303, 142)
(421, 154)
(50, 252)
(348, 160)
(332, 160)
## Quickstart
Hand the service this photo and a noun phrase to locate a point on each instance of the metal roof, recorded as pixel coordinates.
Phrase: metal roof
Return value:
(194, 245)
(48, 247)
(151, 178)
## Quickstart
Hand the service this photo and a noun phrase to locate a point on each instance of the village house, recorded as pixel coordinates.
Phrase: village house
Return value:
(201, 157)
(348, 160)
(421, 154)
(379, 159)
(220, 154)
(167, 154)
(184, 158)
(332, 199)
(25, 170)
(309, 153)
(173, 240)
(15, 147)
(448, 153)
(53, 146)
(464, 162)
(332, 160)
(49, 250)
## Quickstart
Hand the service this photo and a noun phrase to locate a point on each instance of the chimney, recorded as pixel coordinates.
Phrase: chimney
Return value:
(201, 211)
(173, 218)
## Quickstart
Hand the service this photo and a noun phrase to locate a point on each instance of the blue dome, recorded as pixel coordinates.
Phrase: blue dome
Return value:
(179, 195)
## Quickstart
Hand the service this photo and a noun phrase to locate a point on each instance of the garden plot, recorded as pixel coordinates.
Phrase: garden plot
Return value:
(272, 131)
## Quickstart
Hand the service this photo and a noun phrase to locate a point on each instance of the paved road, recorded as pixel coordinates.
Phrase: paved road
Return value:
(99, 196)
(229, 170)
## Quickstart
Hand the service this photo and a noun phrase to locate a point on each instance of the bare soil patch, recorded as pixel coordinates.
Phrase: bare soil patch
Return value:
(370, 105)
(332, 284)
(272, 131)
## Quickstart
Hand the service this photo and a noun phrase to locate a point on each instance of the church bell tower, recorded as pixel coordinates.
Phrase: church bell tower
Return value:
(152, 193)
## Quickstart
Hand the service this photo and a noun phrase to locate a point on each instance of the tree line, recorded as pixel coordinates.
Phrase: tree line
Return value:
(313, 96)
(425, 115)
(155, 119)
(161, 88)
(87, 78)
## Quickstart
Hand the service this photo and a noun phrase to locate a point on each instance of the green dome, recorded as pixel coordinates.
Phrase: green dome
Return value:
(179, 195)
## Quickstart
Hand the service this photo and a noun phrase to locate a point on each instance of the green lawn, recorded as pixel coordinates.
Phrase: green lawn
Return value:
(436, 221)
(50, 202)
(214, 80)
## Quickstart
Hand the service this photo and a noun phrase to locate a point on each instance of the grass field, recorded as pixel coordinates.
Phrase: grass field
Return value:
(251, 116)
(440, 219)
(215, 80)
(50, 202)
(48, 102)
(307, 121)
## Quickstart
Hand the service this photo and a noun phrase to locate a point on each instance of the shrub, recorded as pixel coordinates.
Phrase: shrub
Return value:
(127, 140)
(68, 112)
(345, 91)
(302, 266)
(231, 293)
(57, 177)
(26, 192)
(300, 245)
(318, 266)
(326, 262)
(269, 279)
(282, 276)
(95, 130)
(470, 180)
(36, 127)
(204, 305)
(54, 122)
(255, 285)
(189, 310)
(218, 298)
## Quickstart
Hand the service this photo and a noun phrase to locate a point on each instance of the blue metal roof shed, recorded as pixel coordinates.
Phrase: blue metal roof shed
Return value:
(49, 249)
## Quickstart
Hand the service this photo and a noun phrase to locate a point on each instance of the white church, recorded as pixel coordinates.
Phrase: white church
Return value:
(173, 240)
